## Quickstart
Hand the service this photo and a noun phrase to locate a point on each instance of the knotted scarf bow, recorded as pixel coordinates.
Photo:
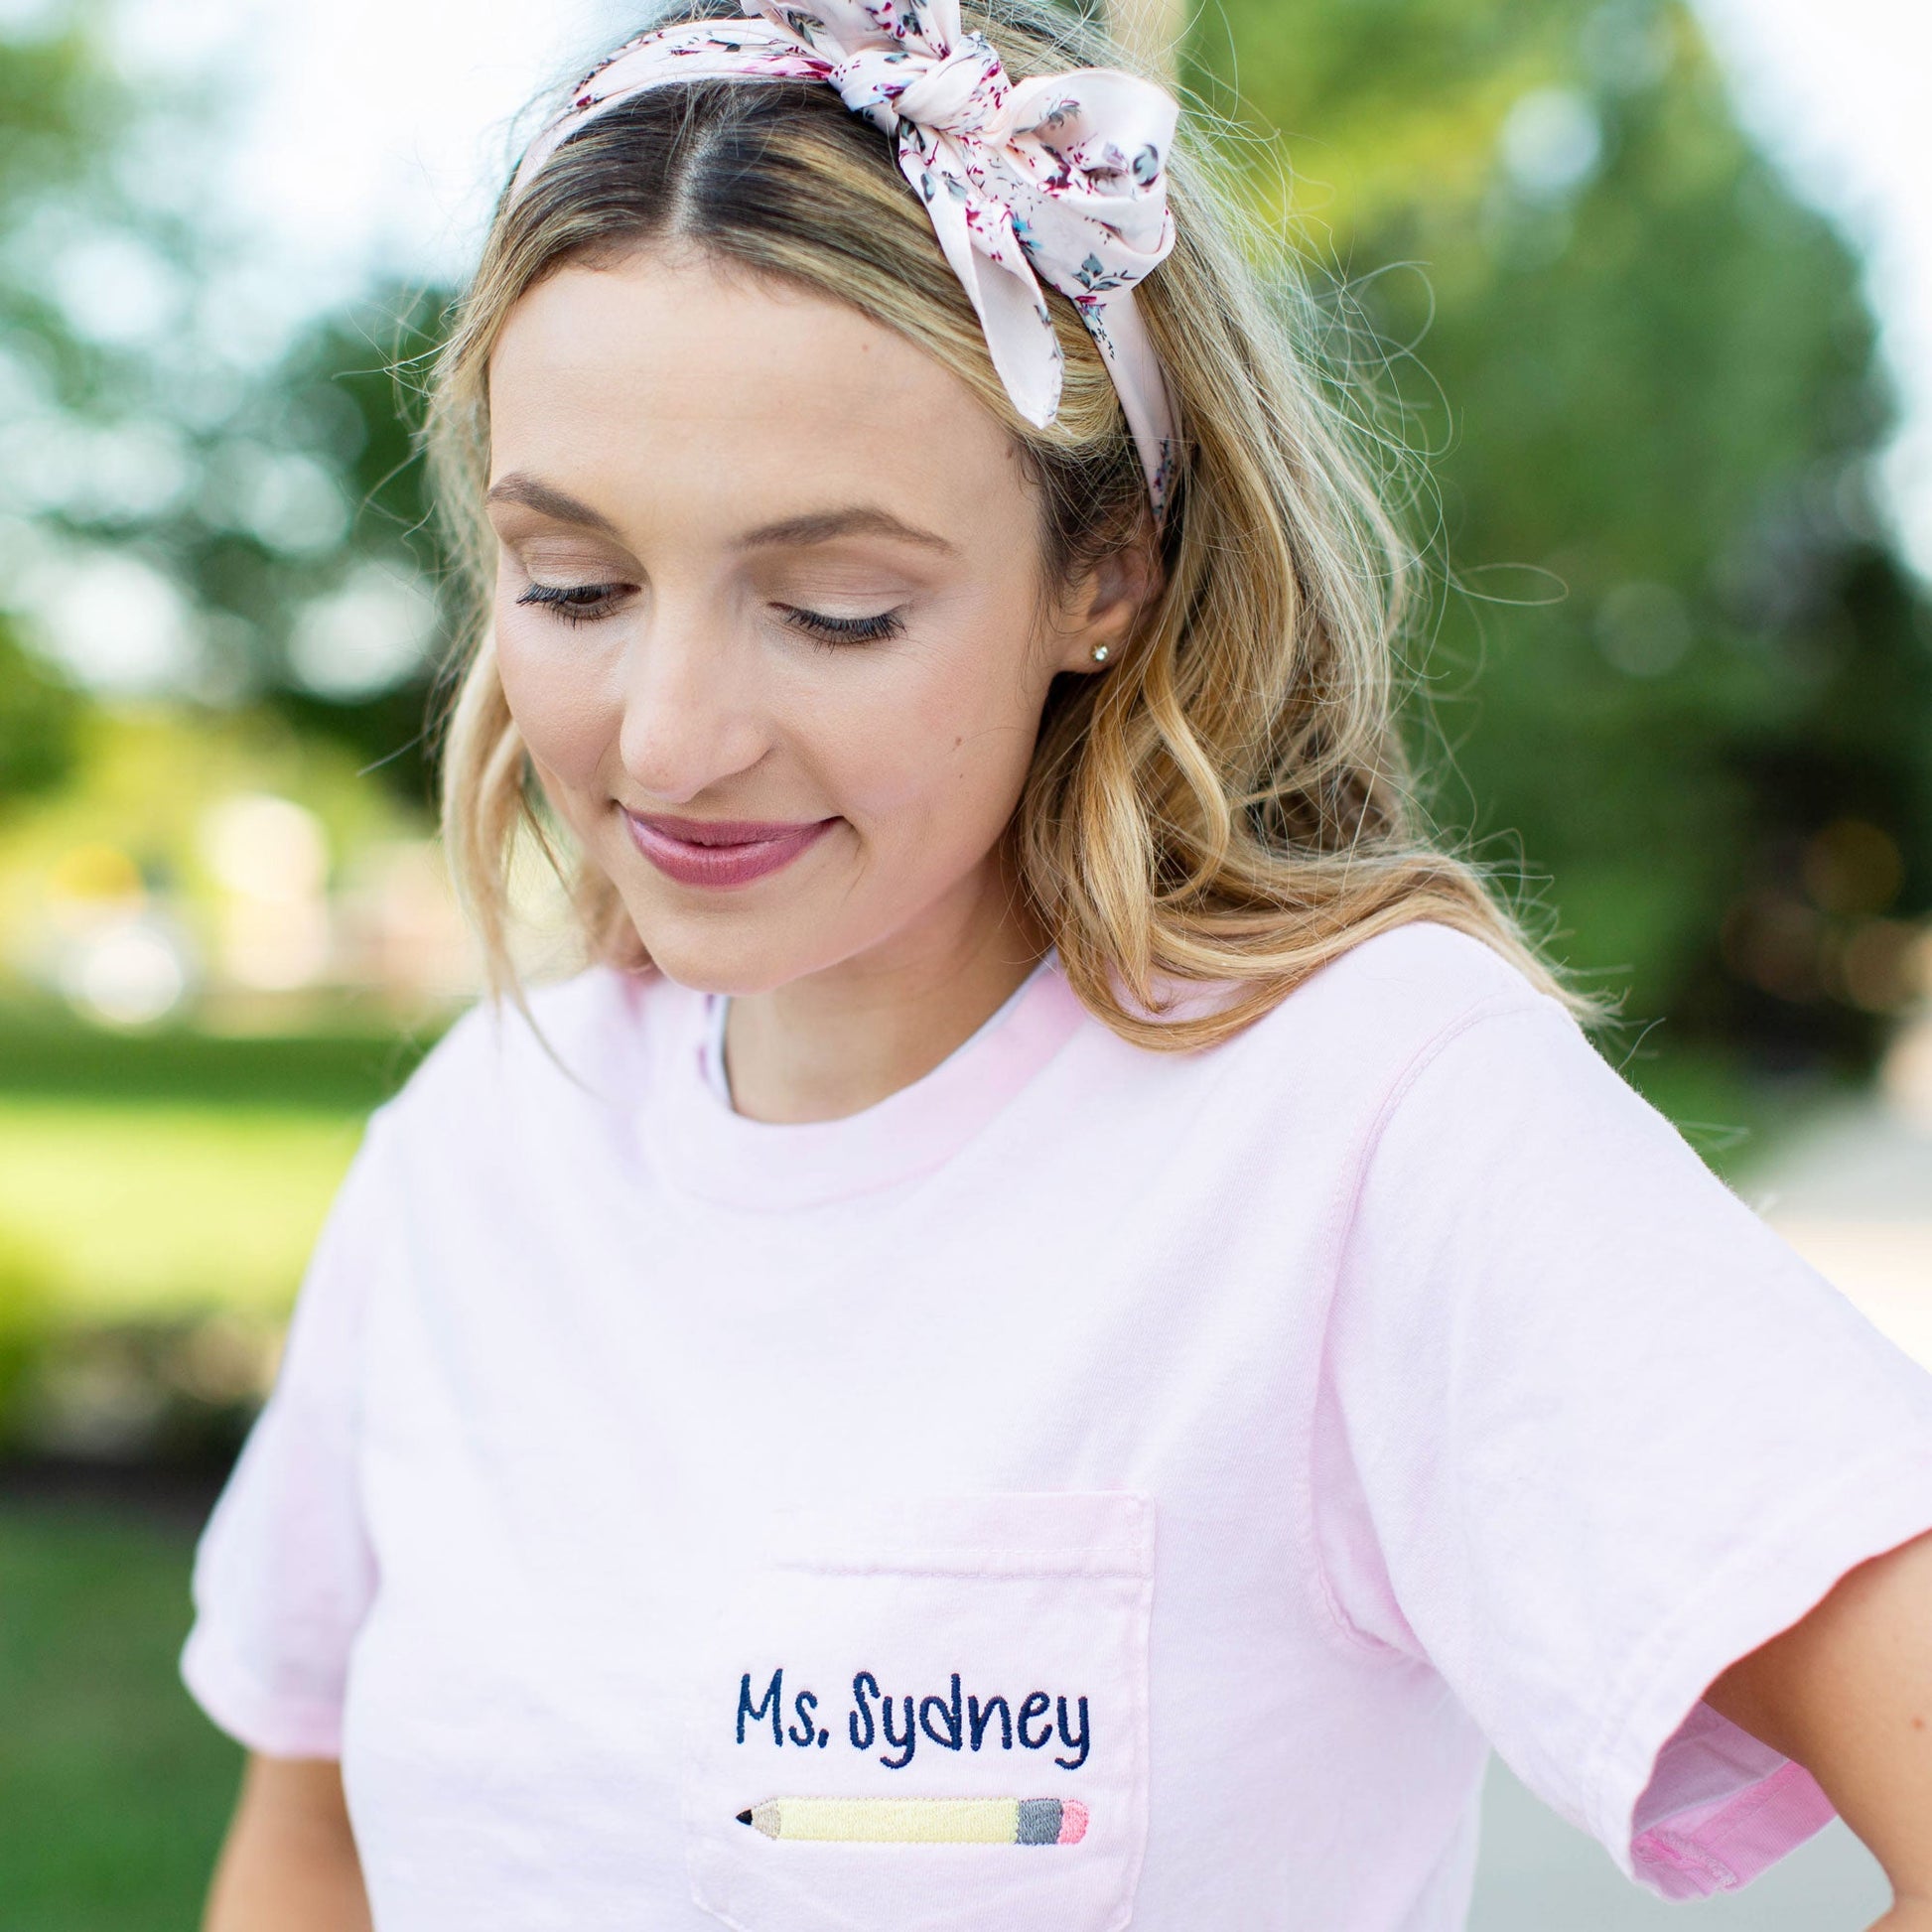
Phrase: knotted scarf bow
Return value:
(1060, 177)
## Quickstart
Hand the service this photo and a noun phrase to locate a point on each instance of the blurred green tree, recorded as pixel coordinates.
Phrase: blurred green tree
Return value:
(1675, 663)
(344, 624)
(155, 438)
(40, 714)
(49, 148)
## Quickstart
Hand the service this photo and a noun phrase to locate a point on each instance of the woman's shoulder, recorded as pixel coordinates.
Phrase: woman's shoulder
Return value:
(1395, 993)
(1431, 961)
(1348, 1039)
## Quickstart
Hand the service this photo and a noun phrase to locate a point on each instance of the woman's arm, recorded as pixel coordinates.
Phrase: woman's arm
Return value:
(1847, 1693)
(289, 1864)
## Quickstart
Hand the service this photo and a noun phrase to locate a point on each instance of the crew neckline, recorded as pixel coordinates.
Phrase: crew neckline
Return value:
(716, 1010)
(708, 1148)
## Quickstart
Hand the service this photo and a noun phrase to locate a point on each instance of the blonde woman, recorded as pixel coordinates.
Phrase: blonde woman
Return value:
(1064, 1325)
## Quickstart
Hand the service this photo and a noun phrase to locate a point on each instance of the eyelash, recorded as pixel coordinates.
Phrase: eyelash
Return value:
(587, 603)
(573, 602)
(834, 632)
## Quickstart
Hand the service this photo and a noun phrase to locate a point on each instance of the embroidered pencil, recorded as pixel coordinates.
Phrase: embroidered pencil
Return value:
(923, 1821)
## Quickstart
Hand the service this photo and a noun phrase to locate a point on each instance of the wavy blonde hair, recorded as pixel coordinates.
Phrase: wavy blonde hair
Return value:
(1231, 804)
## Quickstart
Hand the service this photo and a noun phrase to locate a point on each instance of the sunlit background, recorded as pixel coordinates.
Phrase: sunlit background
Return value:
(1637, 297)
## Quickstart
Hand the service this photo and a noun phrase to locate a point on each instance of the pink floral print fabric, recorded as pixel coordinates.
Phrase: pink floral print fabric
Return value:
(1061, 178)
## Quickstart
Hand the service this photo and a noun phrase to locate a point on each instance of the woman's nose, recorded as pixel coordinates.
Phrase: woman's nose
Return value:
(691, 716)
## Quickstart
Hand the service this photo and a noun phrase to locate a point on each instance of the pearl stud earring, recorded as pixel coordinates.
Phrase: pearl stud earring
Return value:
(1100, 653)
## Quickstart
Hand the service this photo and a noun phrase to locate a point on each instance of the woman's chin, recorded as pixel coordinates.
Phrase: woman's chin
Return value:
(709, 956)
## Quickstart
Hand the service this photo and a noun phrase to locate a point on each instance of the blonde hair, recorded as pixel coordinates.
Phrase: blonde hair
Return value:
(1231, 804)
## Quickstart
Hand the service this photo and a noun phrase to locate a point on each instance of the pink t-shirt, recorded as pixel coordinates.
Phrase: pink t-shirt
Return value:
(1092, 1484)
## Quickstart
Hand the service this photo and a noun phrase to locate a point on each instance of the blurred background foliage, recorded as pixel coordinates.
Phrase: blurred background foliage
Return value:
(1668, 665)
(1678, 667)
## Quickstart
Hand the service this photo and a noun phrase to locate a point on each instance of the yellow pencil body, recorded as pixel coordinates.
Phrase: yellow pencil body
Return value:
(946, 1821)
(921, 1821)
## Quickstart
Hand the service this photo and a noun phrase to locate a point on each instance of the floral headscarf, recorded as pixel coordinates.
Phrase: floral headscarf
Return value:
(1060, 177)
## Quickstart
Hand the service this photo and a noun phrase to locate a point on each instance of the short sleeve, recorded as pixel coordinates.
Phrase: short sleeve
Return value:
(1602, 1433)
(283, 1574)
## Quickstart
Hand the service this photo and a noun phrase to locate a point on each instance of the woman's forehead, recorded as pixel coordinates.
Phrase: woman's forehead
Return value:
(697, 340)
(653, 377)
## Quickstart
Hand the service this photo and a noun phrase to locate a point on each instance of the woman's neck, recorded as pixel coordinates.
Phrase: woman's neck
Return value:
(841, 1041)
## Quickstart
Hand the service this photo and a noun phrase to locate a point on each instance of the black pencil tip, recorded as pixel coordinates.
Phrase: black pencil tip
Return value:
(744, 1817)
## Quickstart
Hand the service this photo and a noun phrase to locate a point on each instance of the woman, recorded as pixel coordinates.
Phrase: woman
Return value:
(1064, 1325)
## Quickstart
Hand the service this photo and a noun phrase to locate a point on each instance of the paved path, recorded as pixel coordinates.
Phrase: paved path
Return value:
(1853, 1195)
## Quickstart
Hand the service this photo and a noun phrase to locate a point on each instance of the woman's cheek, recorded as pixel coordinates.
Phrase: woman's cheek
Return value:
(935, 791)
(907, 745)
(556, 703)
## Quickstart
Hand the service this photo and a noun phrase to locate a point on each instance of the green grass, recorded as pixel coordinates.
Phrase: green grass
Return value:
(114, 1789)
(44, 1050)
(150, 1175)
(137, 1208)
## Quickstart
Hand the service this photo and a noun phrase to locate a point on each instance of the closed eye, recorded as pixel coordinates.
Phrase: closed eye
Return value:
(844, 631)
(574, 602)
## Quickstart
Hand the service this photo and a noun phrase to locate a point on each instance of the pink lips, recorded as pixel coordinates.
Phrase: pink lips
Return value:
(721, 851)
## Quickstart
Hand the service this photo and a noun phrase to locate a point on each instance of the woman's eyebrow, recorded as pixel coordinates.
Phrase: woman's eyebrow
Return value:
(821, 526)
(547, 501)
(815, 526)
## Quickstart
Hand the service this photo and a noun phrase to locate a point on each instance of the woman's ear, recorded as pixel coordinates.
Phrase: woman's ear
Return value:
(1101, 607)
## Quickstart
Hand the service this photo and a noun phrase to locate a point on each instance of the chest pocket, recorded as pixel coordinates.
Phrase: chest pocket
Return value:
(928, 1712)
